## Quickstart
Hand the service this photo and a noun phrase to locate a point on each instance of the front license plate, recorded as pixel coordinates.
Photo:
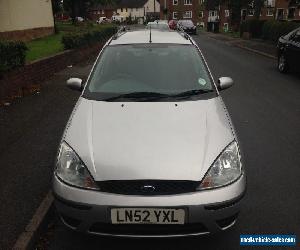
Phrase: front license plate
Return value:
(147, 216)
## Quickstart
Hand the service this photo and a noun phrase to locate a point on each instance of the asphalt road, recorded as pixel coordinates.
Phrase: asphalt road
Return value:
(30, 131)
(265, 109)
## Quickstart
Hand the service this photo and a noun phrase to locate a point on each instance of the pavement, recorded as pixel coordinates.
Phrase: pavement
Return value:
(264, 106)
(30, 131)
(258, 46)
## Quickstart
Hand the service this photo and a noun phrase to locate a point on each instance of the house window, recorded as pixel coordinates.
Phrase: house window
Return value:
(201, 14)
(126, 10)
(121, 9)
(175, 15)
(270, 12)
(225, 27)
(280, 14)
(213, 13)
(201, 24)
(175, 2)
(226, 13)
(270, 3)
(187, 14)
(243, 14)
(291, 13)
(201, 2)
(187, 2)
(250, 12)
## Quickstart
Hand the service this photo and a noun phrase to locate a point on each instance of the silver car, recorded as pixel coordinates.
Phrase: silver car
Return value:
(149, 150)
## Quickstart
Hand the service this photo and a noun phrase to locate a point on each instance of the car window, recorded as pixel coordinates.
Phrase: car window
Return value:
(296, 36)
(292, 35)
(159, 68)
(187, 22)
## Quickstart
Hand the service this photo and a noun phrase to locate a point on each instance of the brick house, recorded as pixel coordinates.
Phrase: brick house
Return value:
(212, 16)
(204, 13)
(97, 11)
(26, 19)
(179, 9)
(285, 10)
(267, 11)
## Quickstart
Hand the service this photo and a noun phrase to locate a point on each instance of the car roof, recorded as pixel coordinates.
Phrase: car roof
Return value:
(157, 36)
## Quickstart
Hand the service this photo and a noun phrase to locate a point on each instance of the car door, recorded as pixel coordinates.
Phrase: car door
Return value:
(294, 50)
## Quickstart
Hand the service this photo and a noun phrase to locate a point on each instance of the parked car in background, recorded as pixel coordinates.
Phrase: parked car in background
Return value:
(188, 26)
(172, 24)
(288, 52)
(79, 19)
(103, 20)
(149, 151)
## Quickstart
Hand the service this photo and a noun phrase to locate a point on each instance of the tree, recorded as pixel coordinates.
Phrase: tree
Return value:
(79, 7)
(258, 4)
(236, 6)
(56, 6)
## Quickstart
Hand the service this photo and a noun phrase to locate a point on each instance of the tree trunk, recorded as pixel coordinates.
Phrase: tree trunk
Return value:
(258, 4)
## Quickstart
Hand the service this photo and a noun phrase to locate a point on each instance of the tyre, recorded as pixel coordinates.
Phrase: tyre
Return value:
(282, 64)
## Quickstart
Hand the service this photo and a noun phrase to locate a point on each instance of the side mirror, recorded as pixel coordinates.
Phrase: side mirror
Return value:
(224, 83)
(75, 84)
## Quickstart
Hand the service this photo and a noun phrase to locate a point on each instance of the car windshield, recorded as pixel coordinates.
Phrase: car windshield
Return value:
(162, 69)
(186, 22)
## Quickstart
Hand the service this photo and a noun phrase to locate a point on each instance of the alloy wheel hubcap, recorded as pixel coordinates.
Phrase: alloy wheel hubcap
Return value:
(281, 62)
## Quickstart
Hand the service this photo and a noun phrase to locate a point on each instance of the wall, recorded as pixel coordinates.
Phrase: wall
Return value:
(25, 15)
(18, 82)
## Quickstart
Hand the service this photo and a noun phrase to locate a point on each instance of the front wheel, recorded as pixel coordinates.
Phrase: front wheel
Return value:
(282, 64)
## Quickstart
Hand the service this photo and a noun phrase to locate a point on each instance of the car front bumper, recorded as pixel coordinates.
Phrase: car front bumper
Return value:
(208, 211)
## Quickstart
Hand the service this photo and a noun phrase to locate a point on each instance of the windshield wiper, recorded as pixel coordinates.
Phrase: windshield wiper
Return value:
(138, 96)
(192, 92)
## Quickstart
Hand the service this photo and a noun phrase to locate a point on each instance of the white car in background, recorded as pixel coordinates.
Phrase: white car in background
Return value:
(102, 20)
(79, 19)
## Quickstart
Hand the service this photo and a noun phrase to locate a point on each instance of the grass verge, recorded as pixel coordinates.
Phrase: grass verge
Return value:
(43, 47)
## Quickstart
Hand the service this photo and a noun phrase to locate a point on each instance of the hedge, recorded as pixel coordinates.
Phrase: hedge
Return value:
(254, 27)
(12, 55)
(81, 39)
(272, 30)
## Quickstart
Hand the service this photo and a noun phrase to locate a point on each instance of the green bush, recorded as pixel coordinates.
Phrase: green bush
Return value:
(81, 39)
(12, 55)
(272, 29)
(254, 27)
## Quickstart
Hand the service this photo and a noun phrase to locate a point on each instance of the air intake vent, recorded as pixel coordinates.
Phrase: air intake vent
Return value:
(148, 187)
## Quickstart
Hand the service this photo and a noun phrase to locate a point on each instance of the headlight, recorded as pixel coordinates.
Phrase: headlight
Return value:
(71, 170)
(226, 169)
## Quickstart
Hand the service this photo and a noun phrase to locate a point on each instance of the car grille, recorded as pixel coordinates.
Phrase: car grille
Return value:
(148, 187)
